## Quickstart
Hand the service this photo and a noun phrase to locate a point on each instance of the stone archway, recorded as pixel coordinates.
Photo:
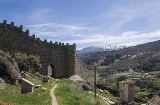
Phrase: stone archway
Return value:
(51, 70)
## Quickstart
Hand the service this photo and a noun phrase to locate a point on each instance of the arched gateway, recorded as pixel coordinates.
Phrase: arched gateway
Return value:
(58, 59)
(51, 70)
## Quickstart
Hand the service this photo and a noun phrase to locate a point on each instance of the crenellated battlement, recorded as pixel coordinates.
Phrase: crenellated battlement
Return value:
(58, 59)
(10, 27)
(61, 56)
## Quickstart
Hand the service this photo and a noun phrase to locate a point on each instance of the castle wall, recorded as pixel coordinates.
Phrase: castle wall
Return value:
(87, 75)
(62, 57)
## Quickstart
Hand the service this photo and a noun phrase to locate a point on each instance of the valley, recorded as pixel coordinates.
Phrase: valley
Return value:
(141, 62)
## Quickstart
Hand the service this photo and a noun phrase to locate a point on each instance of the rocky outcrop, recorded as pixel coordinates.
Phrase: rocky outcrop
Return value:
(2, 81)
(2, 84)
(9, 70)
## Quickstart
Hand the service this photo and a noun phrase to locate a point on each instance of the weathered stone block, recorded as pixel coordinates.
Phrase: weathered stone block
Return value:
(46, 79)
(26, 86)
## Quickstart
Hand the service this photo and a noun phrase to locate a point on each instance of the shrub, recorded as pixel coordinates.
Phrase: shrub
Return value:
(26, 62)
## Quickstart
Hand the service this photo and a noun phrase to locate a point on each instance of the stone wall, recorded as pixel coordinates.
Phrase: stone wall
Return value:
(9, 70)
(61, 56)
(84, 73)
(26, 86)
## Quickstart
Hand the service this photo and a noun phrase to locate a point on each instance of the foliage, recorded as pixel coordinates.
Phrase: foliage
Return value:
(156, 83)
(121, 78)
(158, 75)
(113, 81)
(27, 62)
(143, 95)
(68, 93)
(104, 71)
(110, 96)
(152, 64)
(148, 65)
(115, 78)
(144, 90)
(110, 59)
(91, 61)
(114, 86)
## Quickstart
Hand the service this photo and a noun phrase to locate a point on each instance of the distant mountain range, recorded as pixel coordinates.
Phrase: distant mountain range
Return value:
(94, 49)
(144, 57)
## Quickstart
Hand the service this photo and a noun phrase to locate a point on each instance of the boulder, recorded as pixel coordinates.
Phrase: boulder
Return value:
(2, 84)
(9, 70)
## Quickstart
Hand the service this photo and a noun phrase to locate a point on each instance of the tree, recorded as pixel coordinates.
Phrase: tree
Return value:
(28, 63)
(114, 86)
(121, 78)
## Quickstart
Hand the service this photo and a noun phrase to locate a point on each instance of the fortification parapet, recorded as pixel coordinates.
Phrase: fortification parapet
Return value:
(38, 39)
(21, 27)
(33, 36)
(45, 40)
(4, 22)
(19, 30)
(12, 23)
(61, 56)
(27, 32)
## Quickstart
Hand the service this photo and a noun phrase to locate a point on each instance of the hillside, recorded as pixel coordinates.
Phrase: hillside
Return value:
(135, 57)
(94, 49)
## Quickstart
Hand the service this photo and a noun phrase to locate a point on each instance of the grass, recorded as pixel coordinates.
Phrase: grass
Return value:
(110, 96)
(70, 93)
(143, 93)
(12, 94)
(102, 67)
(67, 93)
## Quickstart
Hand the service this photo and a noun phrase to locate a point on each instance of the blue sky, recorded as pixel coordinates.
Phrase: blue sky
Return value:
(86, 22)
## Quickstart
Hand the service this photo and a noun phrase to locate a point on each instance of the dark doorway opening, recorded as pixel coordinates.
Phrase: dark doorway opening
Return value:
(51, 70)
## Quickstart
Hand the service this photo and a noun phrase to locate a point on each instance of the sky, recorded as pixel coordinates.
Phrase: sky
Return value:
(86, 22)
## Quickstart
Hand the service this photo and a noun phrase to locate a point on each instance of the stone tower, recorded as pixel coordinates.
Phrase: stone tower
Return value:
(127, 91)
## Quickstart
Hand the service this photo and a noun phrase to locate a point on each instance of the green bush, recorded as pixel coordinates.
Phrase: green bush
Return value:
(26, 62)
(114, 86)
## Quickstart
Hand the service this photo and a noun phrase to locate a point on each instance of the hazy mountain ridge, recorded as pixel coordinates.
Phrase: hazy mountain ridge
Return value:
(135, 57)
(94, 49)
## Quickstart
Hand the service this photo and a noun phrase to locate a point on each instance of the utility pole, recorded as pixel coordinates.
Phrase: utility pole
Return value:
(95, 89)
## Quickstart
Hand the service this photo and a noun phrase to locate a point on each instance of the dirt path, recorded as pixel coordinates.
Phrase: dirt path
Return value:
(54, 101)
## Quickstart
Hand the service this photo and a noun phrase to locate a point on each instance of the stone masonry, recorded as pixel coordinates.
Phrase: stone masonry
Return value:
(61, 57)
(26, 86)
(127, 91)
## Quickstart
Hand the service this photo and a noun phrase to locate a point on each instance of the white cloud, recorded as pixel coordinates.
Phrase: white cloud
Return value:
(83, 35)
(58, 30)
(55, 25)
(118, 19)
(127, 38)
(124, 14)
